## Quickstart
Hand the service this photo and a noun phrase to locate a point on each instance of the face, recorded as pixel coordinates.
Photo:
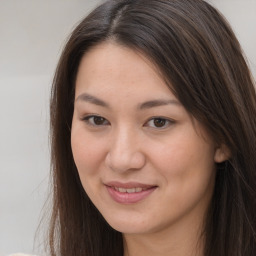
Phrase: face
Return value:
(142, 159)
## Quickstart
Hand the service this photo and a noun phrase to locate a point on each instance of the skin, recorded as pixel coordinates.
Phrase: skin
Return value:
(129, 144)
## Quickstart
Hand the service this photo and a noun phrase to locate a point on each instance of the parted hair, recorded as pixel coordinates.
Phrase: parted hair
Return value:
(200, 59)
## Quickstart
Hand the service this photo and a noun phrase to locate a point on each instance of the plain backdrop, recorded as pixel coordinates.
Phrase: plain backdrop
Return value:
(32, 34)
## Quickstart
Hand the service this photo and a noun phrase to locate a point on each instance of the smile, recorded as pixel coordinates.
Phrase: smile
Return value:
(129, 190)
(129, 193)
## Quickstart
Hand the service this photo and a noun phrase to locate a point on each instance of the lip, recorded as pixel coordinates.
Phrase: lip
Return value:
(128, 185)
(129, 198)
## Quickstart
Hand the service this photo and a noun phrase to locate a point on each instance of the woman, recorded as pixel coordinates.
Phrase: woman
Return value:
(153, 116)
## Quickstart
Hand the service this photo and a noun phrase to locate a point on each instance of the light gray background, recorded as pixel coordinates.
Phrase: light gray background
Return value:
(32, 34)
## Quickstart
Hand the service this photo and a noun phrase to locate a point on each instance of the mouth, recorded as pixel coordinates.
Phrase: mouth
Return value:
(129, 190)
(129, 193)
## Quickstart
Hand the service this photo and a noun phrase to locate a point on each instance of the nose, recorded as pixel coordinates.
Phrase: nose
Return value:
(125, 152)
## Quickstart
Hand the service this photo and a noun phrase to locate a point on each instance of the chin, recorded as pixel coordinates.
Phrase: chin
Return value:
(129, 226)
(130, 229)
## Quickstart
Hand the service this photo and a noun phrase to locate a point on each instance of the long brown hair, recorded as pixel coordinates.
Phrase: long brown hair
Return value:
(197, 54)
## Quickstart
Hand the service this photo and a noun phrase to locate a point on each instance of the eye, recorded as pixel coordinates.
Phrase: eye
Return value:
(159, 122)
(95, 120)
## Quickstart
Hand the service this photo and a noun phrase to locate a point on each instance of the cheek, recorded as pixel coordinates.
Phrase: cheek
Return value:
(86, 151)
(186, 162)
(87, 154)
(187, 169)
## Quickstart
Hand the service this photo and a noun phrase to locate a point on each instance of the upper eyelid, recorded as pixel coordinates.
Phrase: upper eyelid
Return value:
(86, 117)
(169, 120)
(91, 115)
(161, 117)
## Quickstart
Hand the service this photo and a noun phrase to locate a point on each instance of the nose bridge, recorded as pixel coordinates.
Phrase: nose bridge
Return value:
(125, 150)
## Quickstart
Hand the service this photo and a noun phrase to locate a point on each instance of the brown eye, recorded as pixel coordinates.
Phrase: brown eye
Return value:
(96, 120)
(159, 122)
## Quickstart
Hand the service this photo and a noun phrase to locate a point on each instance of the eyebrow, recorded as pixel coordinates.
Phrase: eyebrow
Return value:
(145, 105)
(91, 99)
(158, 103)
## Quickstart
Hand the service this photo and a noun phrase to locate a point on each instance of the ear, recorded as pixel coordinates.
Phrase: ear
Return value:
(222, 153)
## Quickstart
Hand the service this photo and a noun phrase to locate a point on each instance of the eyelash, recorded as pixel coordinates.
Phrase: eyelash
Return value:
(90, 120)
(87, 119)
(167, 122)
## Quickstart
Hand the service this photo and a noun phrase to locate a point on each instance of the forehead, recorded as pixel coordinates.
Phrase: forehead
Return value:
(110, 65)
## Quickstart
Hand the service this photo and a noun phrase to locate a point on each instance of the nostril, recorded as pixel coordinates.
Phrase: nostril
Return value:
(125, 161)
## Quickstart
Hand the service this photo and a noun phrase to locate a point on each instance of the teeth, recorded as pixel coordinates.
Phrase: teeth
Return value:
(128, 190)
(131, 190)
(138, 189)
(122, 190)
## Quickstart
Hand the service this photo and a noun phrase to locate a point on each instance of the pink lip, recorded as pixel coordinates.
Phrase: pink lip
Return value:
(128, 185)
(129, 198)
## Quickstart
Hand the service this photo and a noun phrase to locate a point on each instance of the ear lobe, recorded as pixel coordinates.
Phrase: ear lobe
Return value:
(222, 153)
